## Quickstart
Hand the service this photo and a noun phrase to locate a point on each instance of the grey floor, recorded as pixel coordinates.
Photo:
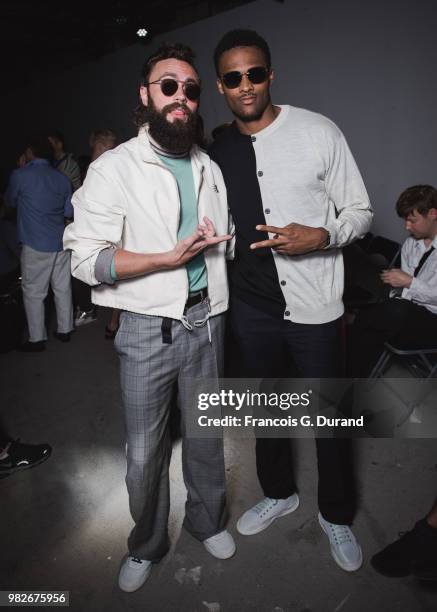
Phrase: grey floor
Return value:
(64, 524)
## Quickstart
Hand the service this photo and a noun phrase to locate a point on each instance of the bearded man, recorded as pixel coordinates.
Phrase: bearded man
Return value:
(137, 239)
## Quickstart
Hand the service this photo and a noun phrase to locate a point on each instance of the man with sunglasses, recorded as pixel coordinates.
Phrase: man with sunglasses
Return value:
(296, 197)
(149, 234)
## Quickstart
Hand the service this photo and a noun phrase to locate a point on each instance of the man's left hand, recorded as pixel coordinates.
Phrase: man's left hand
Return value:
(396, 278)
(293, 239)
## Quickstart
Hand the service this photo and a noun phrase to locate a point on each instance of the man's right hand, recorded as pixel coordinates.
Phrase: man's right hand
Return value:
(130, 265)
(188, 248)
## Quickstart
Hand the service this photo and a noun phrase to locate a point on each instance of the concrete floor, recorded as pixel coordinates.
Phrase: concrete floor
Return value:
(64, 524)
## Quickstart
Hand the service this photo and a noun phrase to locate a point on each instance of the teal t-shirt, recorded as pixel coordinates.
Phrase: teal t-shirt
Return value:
(183, 173)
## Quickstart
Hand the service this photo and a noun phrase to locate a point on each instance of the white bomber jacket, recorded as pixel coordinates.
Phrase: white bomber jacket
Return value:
(130, 200)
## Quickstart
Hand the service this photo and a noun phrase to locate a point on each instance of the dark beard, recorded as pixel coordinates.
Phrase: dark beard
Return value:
(176, 137)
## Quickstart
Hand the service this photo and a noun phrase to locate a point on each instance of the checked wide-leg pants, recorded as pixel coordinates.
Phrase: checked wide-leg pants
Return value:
(150, 370)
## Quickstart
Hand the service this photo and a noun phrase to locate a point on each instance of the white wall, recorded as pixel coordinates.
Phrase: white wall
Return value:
(369, 66)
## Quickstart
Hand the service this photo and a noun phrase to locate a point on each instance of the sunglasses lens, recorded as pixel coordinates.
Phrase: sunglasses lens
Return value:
(169, 87)
(192, 91)
(257, 75)
(232, 79)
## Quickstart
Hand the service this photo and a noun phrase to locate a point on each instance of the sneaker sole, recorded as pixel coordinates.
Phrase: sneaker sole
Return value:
(224, 556)
(337, 560)
(269, 521)
(21, 468)
(82, 323)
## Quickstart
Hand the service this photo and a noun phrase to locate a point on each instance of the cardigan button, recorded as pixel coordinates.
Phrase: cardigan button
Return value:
(283, 283)
(287, 313)
(267, 211)
(260, 172)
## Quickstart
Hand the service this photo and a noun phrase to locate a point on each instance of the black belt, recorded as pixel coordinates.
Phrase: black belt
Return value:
(195, 299)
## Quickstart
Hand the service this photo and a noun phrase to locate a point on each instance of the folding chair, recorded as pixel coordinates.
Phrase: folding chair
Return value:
(417, 361)
(420, 363)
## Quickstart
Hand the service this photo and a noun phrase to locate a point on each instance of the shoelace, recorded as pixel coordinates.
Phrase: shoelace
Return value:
(341, 533)
(265, 504)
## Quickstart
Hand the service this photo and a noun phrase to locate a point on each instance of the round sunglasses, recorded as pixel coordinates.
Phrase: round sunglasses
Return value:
(256, 75)
(170, 86)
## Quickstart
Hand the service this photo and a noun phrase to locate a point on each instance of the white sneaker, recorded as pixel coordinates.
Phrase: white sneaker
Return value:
(265, 512)
(133, 574)
(344, 547)
(221, 545)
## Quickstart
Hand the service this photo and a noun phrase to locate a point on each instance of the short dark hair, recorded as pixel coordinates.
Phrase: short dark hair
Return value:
(103, 135)
(167, 50)
(57, 135)
(40, 147)
(241, 38)
(420, 198)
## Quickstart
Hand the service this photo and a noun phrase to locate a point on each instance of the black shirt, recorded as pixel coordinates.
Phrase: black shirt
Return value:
(253, 276)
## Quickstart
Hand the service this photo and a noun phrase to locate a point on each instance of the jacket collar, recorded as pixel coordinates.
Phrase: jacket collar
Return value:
(149, 155)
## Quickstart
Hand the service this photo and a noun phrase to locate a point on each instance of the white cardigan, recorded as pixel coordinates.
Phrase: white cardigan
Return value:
(307, 175)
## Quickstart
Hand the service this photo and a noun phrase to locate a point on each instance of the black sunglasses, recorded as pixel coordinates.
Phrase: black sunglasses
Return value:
(256, 75)
(170, 86)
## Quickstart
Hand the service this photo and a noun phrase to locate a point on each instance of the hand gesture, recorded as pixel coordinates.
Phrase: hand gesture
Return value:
(293, 239)
(203, 238)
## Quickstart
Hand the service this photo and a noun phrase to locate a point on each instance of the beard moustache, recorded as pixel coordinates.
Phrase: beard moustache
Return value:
(256, 116)
(176, 137)
(256, 113)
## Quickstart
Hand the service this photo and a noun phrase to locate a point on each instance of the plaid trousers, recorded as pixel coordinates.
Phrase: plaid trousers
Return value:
(149, 371)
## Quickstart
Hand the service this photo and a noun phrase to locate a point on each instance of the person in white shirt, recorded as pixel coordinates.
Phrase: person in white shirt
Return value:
(409, 317)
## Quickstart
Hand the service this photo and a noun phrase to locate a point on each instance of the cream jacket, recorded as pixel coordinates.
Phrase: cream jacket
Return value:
(130, 200)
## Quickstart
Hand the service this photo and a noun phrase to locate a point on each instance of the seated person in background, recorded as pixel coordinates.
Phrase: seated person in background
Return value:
(409, 316)
(414, 553)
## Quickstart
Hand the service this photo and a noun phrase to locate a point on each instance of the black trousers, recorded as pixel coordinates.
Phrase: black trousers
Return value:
(81, 295)
(396, 320)
(267, 347)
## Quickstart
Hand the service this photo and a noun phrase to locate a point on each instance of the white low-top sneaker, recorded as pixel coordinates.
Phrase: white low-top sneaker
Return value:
(133, 574)
(221, 545)
(265, 512)
(344, 546)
